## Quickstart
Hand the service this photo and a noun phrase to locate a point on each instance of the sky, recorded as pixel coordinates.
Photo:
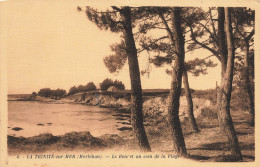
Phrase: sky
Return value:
(52, 45)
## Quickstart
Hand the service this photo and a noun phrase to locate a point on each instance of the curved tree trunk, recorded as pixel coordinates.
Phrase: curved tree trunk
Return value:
(191, 118)
(136, 96)
(225, 92)
(175, 92)
(177, 40)
(250, 95)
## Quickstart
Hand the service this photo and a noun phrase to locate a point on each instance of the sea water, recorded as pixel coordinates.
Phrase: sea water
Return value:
(37, 118)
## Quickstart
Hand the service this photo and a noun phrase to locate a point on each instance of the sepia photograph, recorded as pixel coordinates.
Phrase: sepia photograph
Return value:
(113, 83)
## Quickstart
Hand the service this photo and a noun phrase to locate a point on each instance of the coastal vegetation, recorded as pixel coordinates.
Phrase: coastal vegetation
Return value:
(165, 120)
(47, 92)
(88, 87)
(104, 85)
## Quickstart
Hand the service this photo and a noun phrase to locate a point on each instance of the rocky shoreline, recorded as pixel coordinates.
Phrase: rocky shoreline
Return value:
(153, 106)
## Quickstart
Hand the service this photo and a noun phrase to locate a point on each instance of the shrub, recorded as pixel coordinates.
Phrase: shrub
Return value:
(80, 88)
(106, 84)
(73, 90)
(58, 93)
(47, 92)
(239, 99)
(119, 85)
(90, 86)
(109, 82)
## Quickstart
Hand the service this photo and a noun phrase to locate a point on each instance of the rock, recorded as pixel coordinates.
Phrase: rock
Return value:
(17, 128)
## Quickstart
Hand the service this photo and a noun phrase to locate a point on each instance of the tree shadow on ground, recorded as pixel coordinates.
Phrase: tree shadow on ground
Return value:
(243, 133)
(249, 157)
(207, 126)
(213, 146)
(198, 157)
(240, 123)
(212, 123)
(219, 158)
(245, 146)
(220, 146)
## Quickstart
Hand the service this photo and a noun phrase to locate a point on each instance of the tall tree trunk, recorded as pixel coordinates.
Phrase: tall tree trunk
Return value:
(192, 120)
(175, 92)
(225, 92)
(222, 40)
(222, 46)
(136, 89)
(248, 85)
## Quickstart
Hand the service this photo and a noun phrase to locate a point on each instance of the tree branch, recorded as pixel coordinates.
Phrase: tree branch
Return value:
(212, 35)
(212, 24)
(186, 32)
(201, 44)
(167, 27)
(188, 40)
(252, 44)
(250, 35)
(156, 40)
(116, 8)
(160, 28)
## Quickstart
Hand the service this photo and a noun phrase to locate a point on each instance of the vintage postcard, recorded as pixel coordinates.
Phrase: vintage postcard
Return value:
(158, 83)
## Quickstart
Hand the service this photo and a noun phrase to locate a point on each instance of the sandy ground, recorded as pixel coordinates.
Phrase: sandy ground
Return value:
(210, 144)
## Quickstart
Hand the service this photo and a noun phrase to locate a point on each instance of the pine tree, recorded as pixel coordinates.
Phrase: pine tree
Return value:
(176, 38)
(221, 45)
(160, 50)
(244, 20)
(122, 20)
(225, 90)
